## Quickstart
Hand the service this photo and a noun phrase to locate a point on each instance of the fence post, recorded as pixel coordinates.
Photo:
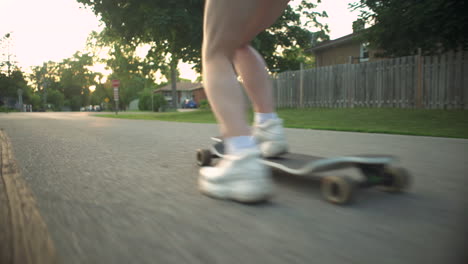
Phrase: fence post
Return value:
(419, 79)
(301, 86)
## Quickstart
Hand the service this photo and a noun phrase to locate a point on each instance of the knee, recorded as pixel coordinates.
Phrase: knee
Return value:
(213, 49)
(243, 51)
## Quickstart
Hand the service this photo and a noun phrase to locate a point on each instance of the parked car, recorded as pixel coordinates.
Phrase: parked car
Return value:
(189, 104)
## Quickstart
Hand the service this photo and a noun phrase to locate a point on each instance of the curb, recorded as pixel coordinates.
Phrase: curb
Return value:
(24, 237)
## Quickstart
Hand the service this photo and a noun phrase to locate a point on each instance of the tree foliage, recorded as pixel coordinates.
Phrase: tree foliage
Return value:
(12, 78)
(173, 26)
(400, 27)
(7, 64)
(174, 29)
(36, 102)
(65, 83)
(290, 36)
(134, 73)
(9, 86)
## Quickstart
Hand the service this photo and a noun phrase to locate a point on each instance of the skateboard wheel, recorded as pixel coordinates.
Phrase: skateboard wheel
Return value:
(400, 179)
(204, 157)
(338, 190)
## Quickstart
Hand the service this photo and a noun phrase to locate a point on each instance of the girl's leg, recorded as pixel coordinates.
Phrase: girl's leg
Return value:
(230, 25)
(224, 32)
(253, 71)
(250, 65)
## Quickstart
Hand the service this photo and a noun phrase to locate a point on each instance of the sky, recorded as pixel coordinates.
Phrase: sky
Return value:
(52, 30)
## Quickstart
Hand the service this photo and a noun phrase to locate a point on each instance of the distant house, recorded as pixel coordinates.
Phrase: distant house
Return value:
(345, 50)
(185, 90)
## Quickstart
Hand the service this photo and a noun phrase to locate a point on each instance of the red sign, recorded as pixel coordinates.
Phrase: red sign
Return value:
(115, 83)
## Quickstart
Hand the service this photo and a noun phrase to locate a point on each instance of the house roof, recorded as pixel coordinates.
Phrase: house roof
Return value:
(333, 43)
(181, 86)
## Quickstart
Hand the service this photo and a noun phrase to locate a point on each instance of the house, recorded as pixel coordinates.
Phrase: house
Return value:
(348, 49)
(185, 90)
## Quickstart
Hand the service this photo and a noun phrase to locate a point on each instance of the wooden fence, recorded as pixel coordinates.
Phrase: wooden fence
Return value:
(438, 82)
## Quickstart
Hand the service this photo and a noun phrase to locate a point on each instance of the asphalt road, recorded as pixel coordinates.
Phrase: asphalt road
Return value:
(124, 191)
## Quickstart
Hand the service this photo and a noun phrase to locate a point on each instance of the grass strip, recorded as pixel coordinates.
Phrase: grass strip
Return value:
(421, 122)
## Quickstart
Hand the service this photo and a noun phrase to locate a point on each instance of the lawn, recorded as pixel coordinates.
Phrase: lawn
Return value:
(439, 123)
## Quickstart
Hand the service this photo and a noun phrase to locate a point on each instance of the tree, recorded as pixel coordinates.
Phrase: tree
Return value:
(290, 36)
(56, 98)
(65, 83)
(6, 63)
(102, 91)
(75, 102)
(45, 79)
(6, 89)
(174, 28)
(9, 85)
(75, 78)
(128, 68)
(400, 27)
(133, 72)
(12, 79)
(36, 102)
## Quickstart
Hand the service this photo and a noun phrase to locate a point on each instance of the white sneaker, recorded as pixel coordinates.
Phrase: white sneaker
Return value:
(242, 178)
(270, 137)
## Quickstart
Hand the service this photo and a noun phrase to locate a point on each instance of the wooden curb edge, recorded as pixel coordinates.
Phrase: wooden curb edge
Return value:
(24, 237)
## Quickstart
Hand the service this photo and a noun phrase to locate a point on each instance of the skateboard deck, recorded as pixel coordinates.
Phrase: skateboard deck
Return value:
(301, 164)
(376, 169)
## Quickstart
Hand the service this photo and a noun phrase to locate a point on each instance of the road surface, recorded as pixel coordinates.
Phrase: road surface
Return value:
(124, 191)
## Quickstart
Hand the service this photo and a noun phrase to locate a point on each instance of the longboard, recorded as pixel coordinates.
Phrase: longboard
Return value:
(376, 169)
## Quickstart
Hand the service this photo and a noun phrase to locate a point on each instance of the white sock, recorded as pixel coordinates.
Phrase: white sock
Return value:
(260, 118)
(236, 145)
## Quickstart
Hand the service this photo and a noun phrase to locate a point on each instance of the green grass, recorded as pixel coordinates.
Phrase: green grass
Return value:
(202, 116)
(438, 123)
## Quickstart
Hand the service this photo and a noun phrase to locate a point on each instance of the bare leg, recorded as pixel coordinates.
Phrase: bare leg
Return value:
(229, 26)
(225, 96)
(251, 67)
(224, 33)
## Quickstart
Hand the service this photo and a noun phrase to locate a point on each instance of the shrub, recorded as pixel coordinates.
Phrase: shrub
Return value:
(4, 109)
(204, 104)
(145, 103)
